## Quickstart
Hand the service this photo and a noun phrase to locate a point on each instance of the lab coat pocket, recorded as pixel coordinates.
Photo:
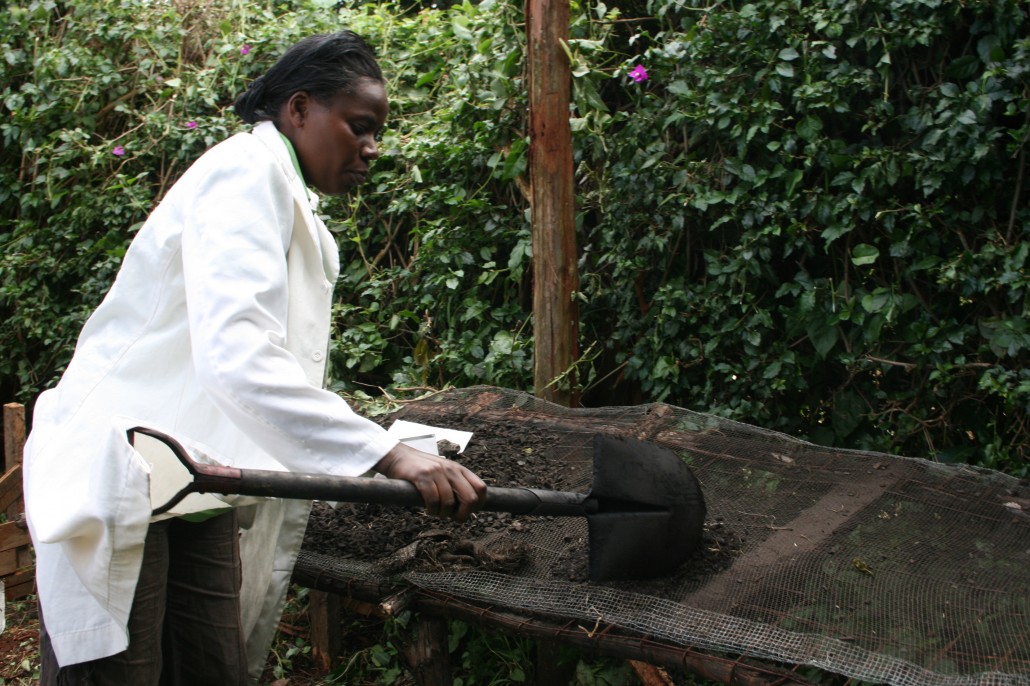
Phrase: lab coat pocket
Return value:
(80, 483)
(104, 542)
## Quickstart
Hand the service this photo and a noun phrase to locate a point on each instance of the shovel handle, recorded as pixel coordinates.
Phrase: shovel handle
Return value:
(376, 491)
(209, 478)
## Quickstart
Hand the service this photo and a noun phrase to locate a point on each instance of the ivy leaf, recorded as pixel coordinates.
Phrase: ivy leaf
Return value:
(1005, 336)
(793, 179)
(823, 336)
(847, 413)
(679, 87)
(587, 98)
(876, 301)
(810, 127)
(863, 254)
(773, 369)
(459, 24)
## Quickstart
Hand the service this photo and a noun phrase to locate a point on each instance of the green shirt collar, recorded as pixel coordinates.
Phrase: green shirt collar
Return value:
(293, 156)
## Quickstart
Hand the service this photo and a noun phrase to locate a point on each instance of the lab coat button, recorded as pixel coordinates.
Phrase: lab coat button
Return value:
(317, 356)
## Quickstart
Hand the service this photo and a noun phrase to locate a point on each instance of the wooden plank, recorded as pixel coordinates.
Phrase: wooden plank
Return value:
(735, 671)
(8, 562)
(13, 535)
(10, 489)
(20, 584)
(650, 675)
(555, 273)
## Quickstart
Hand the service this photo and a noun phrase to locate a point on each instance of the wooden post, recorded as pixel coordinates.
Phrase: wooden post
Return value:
(324, 624)
(549, 668)
(424, 652)
(555, 275)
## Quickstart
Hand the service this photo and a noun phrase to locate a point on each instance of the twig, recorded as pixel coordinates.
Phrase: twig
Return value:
(892, 363)
(1019, 185)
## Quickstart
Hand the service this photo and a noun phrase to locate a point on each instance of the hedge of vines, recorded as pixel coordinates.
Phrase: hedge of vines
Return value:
(808, 216)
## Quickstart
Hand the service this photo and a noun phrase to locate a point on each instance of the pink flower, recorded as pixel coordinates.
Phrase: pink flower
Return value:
(245, 50)
(638, 74)
(191, 125)
(118, 151)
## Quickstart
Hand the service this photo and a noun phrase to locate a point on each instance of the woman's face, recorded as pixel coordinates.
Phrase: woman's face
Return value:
(335, 141)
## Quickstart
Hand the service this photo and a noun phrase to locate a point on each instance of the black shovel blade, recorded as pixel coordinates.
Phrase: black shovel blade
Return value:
(651, 512)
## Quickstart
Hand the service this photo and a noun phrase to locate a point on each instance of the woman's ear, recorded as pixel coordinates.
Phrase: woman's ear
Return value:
(296, 108)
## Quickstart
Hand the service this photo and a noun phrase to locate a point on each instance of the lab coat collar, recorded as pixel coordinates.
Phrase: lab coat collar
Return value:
(268, 134)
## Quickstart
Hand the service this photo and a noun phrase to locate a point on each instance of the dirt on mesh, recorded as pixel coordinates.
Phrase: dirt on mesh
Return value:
(503, 454)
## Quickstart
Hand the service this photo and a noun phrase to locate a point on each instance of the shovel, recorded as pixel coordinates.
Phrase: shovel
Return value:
(644, 510)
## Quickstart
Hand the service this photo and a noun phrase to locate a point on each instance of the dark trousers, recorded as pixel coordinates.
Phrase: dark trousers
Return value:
(184, 627)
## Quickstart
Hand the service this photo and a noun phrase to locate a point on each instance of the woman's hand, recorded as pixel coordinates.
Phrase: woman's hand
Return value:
(447, 488)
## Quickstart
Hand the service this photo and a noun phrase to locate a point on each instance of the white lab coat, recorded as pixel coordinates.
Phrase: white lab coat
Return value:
(215, 331)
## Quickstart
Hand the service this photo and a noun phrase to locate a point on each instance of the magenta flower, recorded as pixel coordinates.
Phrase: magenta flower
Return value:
(118, 151)
(639, 74)
(191, 125)
(245, 50)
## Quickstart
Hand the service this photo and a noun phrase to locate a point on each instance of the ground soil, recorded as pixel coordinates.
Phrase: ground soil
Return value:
(19, 644)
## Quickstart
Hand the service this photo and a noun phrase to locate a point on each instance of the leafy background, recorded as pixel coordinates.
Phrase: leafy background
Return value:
(811, 217)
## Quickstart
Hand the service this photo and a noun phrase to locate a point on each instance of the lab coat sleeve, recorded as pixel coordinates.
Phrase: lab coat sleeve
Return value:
(236, 236)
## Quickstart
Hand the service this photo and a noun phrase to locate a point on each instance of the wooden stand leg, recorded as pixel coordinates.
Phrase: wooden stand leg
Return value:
(549, 670)
(324, 618)
(425, 654)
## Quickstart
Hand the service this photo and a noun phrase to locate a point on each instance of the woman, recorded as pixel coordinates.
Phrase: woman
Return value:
(215, 331)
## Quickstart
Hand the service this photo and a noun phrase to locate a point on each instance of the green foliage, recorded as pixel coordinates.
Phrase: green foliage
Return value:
(823, 229)
(477, 658)
(811, 216)
(436, 251)
(105, 104)
(607, 673)
(487, 658)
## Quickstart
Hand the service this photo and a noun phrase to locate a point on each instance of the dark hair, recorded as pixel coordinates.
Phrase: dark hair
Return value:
(324, 66)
